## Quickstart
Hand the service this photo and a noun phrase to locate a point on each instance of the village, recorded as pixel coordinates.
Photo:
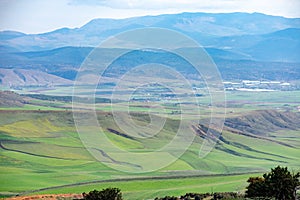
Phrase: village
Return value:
(259, 86)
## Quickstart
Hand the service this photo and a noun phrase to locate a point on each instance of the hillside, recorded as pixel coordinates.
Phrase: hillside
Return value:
(60, 66)
(44, 150)
(203, 26)
(244, 46)
(261, 123)
(36, 139)
(11, 99)
(24, 77)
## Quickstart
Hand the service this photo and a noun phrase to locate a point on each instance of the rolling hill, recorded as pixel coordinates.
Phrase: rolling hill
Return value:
(11, 99)
(43, 149)
(23, 77)
(60, 66)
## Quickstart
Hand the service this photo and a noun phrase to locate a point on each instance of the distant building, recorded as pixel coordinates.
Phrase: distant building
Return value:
(254, 85)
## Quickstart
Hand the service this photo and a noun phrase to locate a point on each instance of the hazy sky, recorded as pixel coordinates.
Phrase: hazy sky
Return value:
(36, 16)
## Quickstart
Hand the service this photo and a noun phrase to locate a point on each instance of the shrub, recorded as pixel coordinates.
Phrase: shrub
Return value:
(105, 194)
(279, 184)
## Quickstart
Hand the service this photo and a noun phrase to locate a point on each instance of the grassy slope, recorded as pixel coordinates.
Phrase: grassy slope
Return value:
(145, 189)
(42, 149)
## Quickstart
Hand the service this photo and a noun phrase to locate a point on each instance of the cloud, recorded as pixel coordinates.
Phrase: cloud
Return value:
(88, 2)
(288, 8)
(150, 4)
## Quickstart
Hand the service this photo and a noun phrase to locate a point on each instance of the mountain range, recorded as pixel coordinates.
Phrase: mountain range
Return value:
(254, 45)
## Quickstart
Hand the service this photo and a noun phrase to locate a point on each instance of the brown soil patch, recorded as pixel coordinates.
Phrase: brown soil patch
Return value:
(47, 197)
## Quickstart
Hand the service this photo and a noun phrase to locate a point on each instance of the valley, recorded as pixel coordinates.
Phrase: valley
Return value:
(154, 105)
(41, 147)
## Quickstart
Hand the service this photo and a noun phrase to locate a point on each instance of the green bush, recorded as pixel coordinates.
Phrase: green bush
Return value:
(279, 184)
(105, 194)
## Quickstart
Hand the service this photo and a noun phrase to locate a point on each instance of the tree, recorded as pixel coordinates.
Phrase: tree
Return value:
(257, 187)
(105, 194)
(279, 184)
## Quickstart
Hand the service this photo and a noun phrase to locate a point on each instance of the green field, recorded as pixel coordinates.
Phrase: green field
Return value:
(40, 148)
(145, 189)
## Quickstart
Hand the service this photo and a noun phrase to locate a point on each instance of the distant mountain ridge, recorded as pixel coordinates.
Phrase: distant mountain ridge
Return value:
(253, 45)
(205, 25)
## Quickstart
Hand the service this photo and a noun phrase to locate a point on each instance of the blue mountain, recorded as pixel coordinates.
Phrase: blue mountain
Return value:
(238, 43)
(203, 27)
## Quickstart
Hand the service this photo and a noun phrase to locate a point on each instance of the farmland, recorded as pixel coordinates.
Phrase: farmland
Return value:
(40, 148)
(154, 105)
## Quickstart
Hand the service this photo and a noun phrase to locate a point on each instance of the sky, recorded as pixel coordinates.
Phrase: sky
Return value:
(38, 16)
